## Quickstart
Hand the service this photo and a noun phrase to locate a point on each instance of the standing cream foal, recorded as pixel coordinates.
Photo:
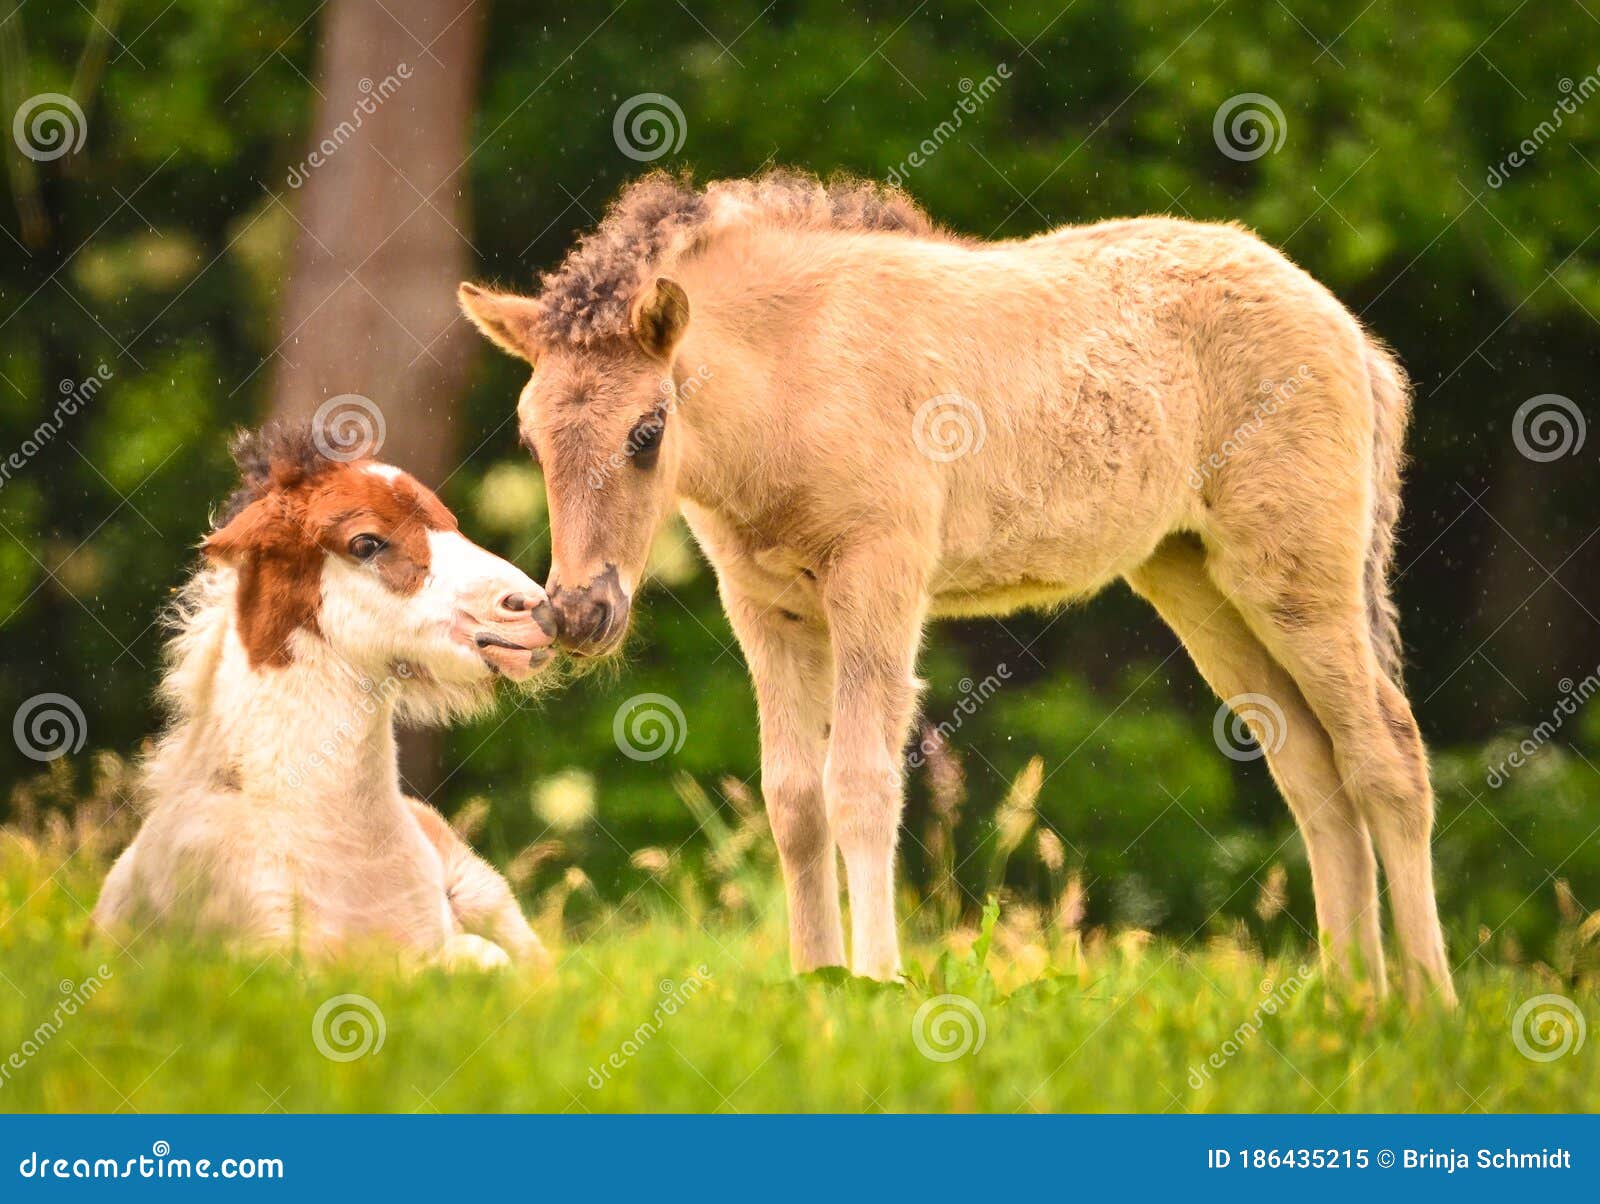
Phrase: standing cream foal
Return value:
(337, 595)
(868, 422)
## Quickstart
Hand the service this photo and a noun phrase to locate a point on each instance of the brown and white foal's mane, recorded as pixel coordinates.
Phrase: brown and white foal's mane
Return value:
(660, 217)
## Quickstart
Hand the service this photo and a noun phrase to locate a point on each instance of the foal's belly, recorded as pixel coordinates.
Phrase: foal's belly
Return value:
(973, 588)
(994, 568)
(997, 600)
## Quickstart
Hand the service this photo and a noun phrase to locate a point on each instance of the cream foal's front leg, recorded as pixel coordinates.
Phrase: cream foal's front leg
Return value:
(875, 604)
(792, 667)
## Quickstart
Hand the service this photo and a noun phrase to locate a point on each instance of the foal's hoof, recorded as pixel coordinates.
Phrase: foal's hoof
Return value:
(468, 952)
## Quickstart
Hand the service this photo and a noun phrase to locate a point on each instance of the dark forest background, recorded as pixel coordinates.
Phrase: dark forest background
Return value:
(188, 256)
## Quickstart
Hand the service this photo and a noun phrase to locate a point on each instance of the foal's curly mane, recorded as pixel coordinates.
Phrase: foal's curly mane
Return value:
(658, 216)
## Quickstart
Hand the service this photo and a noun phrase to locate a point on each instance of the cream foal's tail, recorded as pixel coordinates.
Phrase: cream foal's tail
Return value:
(1391, 401)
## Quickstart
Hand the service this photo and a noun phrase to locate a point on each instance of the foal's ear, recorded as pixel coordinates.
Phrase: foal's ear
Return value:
(660, 316)
(226, 545)
(252, 527)
(505, 319)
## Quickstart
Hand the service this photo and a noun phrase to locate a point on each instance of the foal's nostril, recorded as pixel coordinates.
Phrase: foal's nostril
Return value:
(515, 603)
(602, 619)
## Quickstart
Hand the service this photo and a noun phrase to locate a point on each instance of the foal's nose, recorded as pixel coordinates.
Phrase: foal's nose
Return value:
(526, 609)
(519, 605)
(591, 618)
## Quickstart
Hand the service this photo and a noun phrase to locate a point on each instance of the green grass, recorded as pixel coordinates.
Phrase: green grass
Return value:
(1104, 1023)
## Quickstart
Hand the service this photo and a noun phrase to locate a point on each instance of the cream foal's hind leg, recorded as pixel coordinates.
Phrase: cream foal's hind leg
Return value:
(792, 667)
(1236, 664)
(1325, 643)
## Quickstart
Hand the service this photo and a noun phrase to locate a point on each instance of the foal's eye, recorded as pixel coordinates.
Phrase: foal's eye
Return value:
(365, 547)
(644, 441)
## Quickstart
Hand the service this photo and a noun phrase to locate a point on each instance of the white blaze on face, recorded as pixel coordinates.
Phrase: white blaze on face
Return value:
(374, 626)
(463, 576)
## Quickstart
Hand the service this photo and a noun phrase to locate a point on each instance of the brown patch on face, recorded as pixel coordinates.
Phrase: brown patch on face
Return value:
(277, 543)
(353, 502)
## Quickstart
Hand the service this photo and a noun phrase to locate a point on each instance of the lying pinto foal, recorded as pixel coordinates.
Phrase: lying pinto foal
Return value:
(336, 596)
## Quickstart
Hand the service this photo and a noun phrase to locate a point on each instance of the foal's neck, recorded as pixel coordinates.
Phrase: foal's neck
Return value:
(314, 736)
(747, 294)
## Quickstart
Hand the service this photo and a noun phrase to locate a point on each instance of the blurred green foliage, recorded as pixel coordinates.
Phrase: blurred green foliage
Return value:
(165, 242)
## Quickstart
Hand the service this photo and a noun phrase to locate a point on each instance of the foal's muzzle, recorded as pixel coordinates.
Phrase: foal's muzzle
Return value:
(510, 629)
(591, 619)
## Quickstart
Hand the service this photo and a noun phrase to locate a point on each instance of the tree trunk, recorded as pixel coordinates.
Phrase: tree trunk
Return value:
(370, 304)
